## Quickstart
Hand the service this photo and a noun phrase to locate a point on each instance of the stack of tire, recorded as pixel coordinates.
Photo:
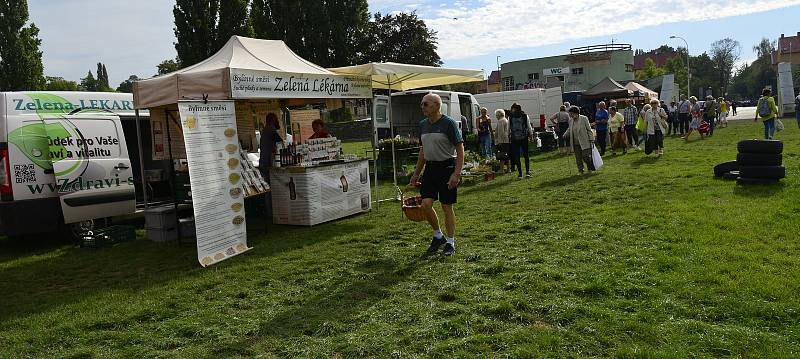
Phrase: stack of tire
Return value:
(758, 162)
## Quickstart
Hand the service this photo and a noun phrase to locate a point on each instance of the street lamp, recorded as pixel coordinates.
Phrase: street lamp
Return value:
(688, 72)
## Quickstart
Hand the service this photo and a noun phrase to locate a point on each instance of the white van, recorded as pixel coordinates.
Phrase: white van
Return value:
(535, 102)
(63, 159)
(406, 112)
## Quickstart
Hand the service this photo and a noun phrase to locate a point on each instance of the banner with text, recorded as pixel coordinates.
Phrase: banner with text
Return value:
(212, 151)
(266, 84)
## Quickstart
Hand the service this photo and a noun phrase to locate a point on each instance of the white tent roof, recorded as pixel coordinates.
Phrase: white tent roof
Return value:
(404, 77)
(211, 76)
(635, 86)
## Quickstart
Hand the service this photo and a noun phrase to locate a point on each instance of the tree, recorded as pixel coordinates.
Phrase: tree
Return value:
(400, 38)
(649, 71)
(203, 26)
(89, 83)
(725, 53)
(765, 48)
(127, 85)
(704, 74)
(677, 67)
(167, 66)
(20, 58)
(102, 78)
(327, 33)
(54, 83)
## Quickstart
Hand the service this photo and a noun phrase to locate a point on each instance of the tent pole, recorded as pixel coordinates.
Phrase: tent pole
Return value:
(375, 149)
(391, 131)
(141, 159)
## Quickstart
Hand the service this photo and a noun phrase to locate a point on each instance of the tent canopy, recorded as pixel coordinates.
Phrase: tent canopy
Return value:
(608, 88)
(404, 77)
(211, 76)
(646, 92)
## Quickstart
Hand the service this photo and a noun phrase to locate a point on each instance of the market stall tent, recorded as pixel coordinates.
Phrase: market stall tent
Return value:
(646, 92)
(608, 88)
(211, 77)
(403, 77)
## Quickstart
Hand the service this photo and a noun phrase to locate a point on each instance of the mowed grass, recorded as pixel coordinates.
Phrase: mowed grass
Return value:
(648, 258)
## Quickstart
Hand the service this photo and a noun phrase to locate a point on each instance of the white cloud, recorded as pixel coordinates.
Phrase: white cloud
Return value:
(510, 24)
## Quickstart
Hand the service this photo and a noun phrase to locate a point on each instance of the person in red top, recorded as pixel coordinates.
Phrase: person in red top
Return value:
(319, 130)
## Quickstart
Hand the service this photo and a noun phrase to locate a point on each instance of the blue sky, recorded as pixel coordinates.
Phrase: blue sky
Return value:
(131, 37)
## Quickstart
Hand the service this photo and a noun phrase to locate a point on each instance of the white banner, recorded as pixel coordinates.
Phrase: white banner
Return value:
(311, 195)
(668, 89)
(785, 88)
(247, 84)
(212, 151)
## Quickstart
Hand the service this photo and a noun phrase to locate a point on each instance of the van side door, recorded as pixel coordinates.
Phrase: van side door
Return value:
(93, 172)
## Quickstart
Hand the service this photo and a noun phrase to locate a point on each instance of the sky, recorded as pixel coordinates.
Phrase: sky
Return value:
(132, 37)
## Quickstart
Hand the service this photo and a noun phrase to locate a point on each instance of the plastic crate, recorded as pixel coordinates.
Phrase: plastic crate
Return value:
(107, 237)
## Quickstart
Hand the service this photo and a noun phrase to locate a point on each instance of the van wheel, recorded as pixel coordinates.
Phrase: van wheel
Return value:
(79, 228)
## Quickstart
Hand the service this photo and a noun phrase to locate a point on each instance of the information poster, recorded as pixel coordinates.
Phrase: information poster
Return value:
(313, 195)
(212, 149)
(785, 88)
(668, 89)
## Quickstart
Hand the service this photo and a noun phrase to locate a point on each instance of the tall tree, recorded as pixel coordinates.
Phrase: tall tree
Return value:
(54, 83)
(20, 58)
(677, 67)
(650, 70)
(725, 53)
(89, 83)
(166, 67)
(127, 85)
(327, 33)
(764, 48)
(403, 37)
(102, 81)
(203, 26)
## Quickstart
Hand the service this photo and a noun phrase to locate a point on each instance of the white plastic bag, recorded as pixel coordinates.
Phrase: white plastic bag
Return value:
(778, 125)
(596, 159)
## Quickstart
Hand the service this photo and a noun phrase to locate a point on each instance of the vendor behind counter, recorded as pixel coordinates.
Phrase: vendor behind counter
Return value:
(319, 130)
(269, 138)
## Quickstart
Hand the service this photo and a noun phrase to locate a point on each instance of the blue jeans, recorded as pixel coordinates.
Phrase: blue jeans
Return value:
(486, 145)
(769, 129)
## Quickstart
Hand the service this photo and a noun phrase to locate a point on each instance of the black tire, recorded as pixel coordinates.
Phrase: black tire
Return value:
(724, 167)
(771, 172)
(759, 159)
(761, 146)
(732, 175)
(745, 180)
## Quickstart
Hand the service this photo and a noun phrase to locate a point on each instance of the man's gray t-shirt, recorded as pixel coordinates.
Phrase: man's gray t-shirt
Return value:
(439, 139)
(684, 106)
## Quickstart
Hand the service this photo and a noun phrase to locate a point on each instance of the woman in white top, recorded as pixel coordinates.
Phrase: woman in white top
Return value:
(501, 138)
(656, 119)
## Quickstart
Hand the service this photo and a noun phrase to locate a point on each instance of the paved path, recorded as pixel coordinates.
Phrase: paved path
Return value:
(744, 113)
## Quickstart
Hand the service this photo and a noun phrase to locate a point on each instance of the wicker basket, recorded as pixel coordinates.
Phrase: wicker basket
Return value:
(412, 207)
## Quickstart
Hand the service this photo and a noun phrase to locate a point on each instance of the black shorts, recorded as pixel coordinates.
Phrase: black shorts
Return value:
(434, 181)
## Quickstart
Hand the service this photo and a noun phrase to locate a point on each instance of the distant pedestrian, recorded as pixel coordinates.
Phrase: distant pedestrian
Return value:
(616, 129)
(710, 114)
(797, 109)
(502, 140)
(684, 114)
(601, 126)
(723, 112)
(581, 137)
(561, 122)
(631, 114)
(733, 107)
(520, 133)
(485, 131)
(673, 121)
(696, 119)
(656, 119)
(768, 112)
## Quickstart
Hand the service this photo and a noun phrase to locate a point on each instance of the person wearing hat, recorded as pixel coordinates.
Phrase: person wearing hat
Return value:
(581, 137)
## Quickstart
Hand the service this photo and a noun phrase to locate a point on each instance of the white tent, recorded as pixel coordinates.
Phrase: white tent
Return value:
(646, 92)
(403, 77)
(211, 77)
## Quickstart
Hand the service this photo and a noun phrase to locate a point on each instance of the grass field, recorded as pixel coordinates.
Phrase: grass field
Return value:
(647, 258)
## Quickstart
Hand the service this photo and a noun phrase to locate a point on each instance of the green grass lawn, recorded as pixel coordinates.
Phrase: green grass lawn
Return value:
(648, 258)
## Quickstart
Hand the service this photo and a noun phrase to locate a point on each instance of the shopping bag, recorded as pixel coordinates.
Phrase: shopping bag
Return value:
(596, 159)
(641, 125)
(778, 125)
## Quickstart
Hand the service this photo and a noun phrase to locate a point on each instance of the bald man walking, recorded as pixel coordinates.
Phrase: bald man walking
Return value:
(442, 157)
